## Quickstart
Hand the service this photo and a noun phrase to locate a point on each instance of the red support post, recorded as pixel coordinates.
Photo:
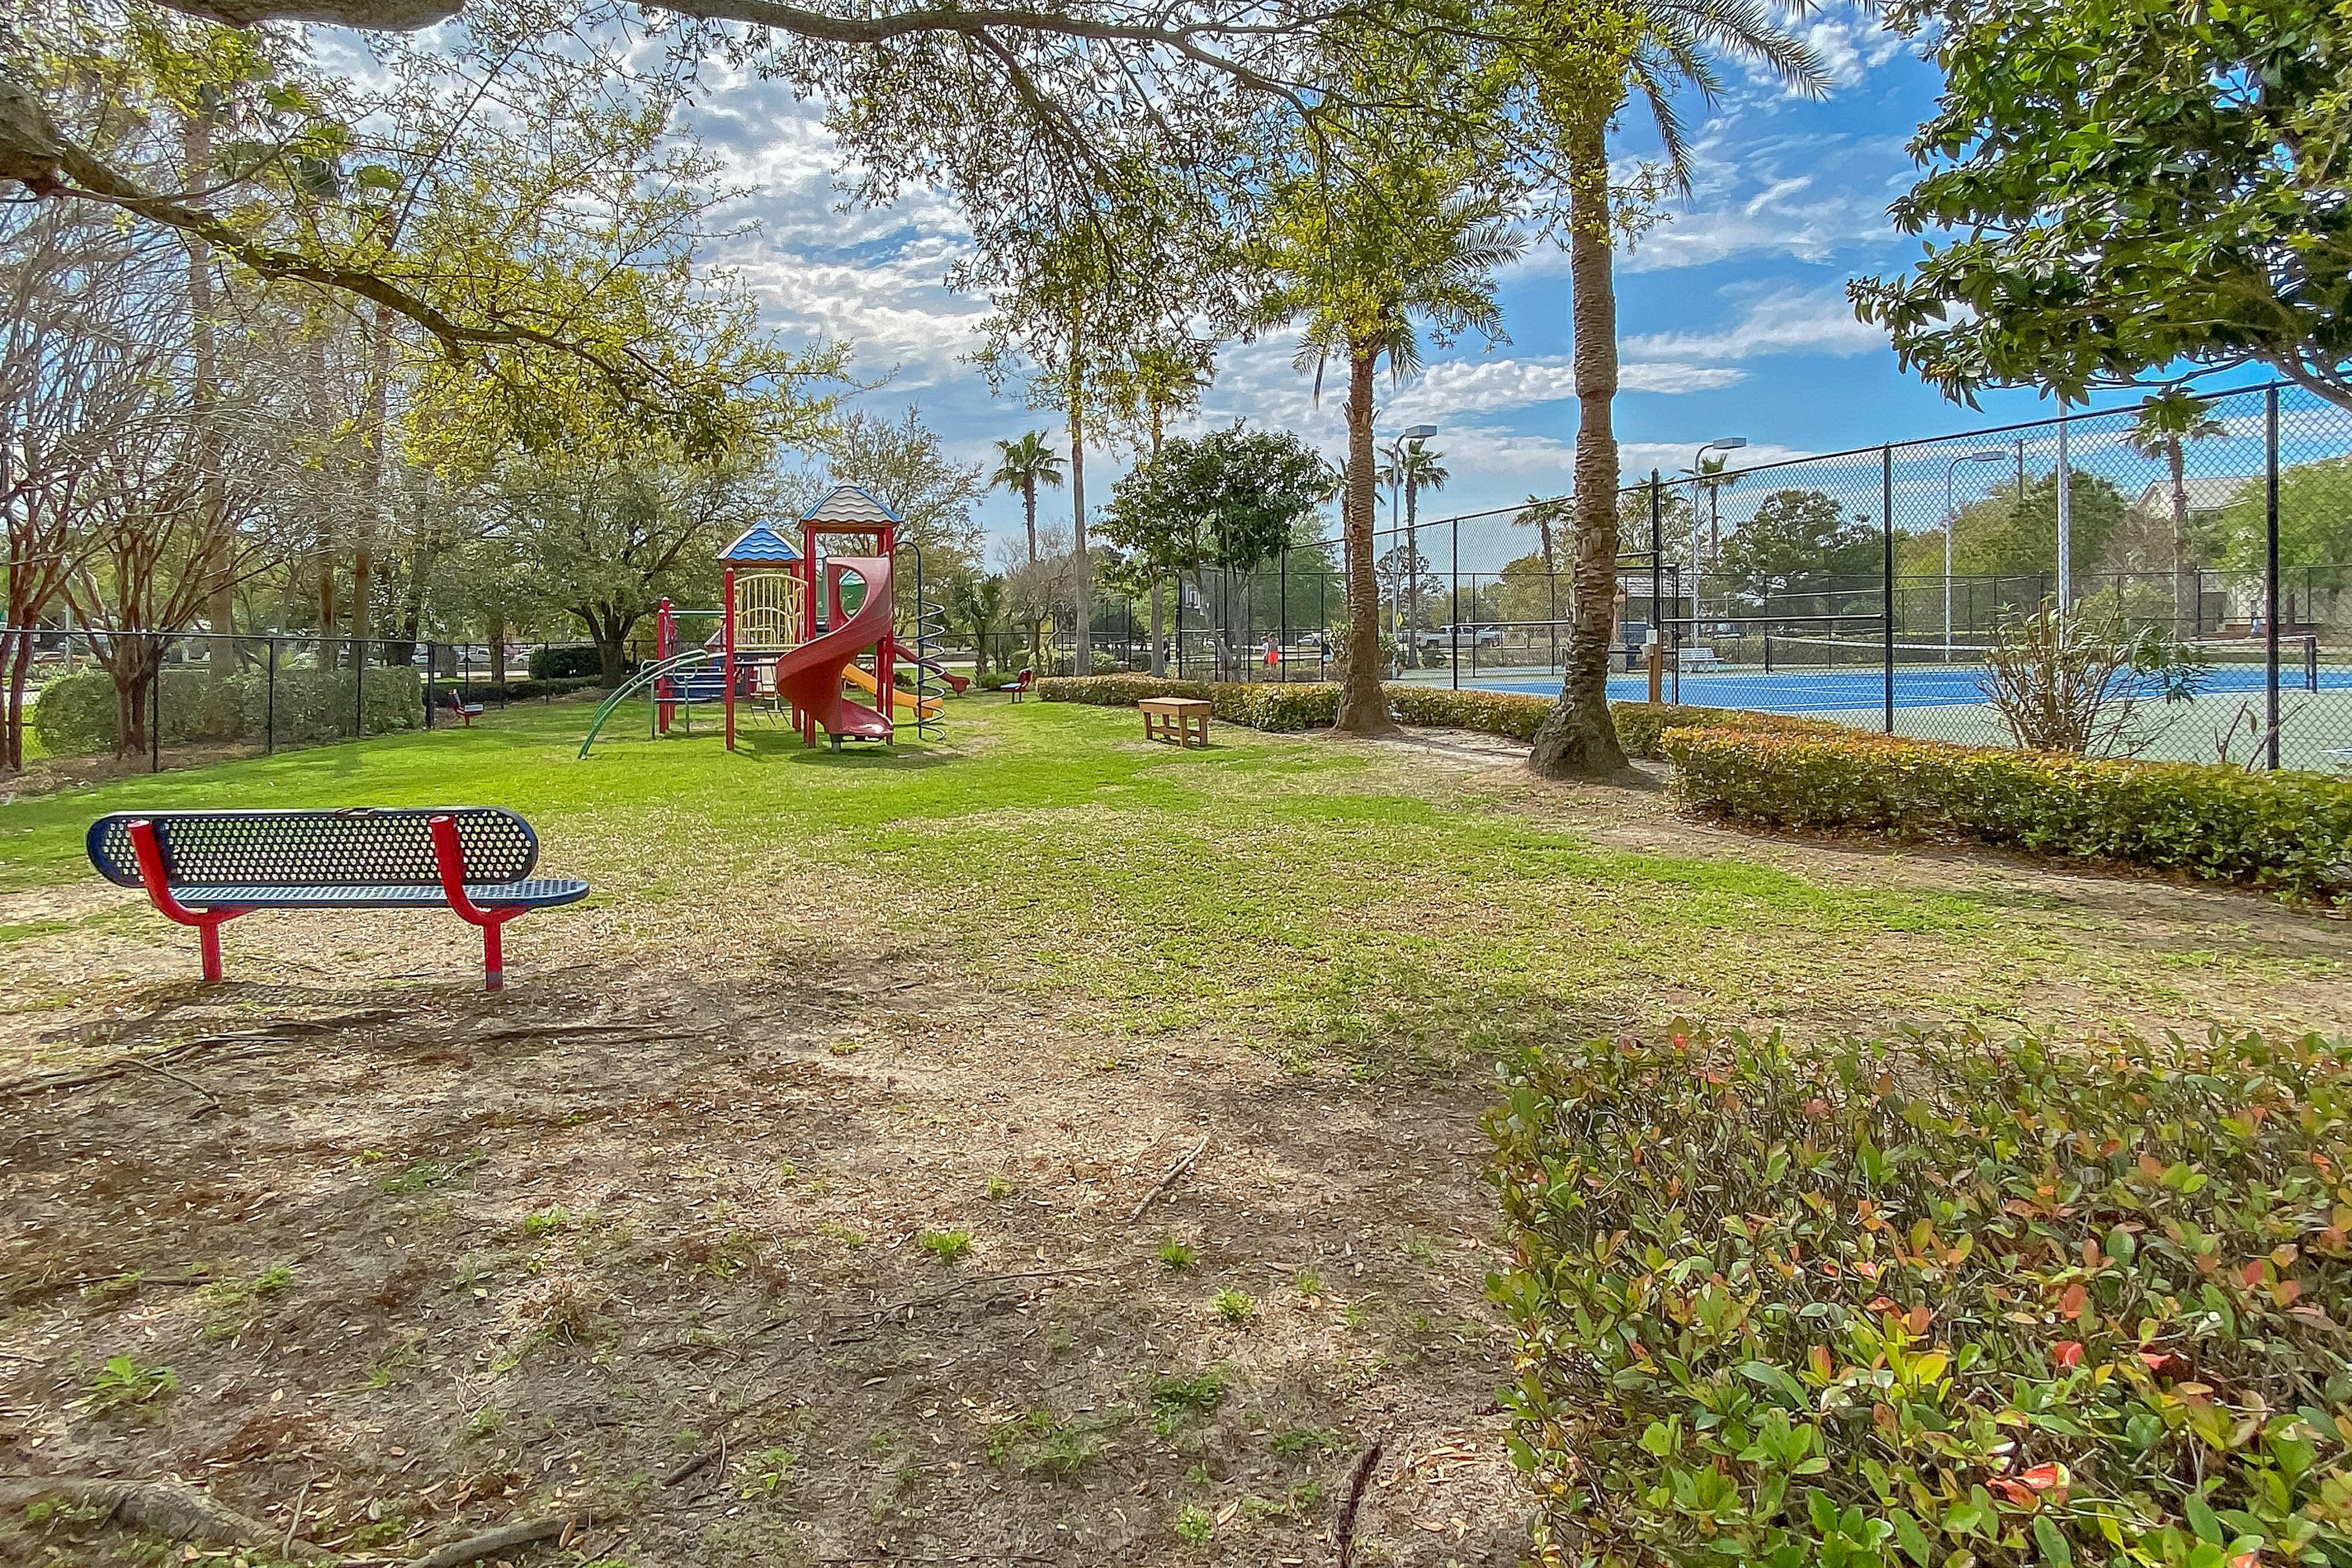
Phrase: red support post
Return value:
(727, 658)
(449, 859)
(156, 878)
(886, 656)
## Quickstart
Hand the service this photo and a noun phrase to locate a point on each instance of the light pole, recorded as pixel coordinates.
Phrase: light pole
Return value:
(1412, 435)
(1951, 516)
(1714, 518)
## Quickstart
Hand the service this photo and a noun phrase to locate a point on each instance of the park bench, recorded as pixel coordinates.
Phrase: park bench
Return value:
(466, 709)
(1021, 683)
(1183, 719)
(205, 867)
(1699, 659)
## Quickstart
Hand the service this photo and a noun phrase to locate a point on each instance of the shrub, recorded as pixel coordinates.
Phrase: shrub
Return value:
(77, 715)
(513, 690)
(2290, 831)
(566, 661)
(1117, 691)
(1514, 714)
(1641, 726)
(1935, 1301)
(317, 704)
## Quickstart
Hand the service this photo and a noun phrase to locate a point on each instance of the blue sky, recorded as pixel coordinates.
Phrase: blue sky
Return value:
(1733, 315)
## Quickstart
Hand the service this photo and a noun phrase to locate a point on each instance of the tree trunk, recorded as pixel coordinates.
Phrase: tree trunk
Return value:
(323, 530)
(1082, 654)
(16, 668)
(1159, 634)
(498, 648)
(220, 656)
(1578, 738)
(1363, 707)
(1029, 505)
(2185, 582)
(370, 519)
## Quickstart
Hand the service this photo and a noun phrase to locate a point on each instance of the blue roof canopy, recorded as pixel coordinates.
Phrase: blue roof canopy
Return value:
(760, 545)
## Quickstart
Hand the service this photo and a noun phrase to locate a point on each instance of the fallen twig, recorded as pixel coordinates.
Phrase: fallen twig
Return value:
(507, 1537)
(689, 1466)
(170, 1076)
(1346, 1532)
(880, 1314)
(277, 1033)
(172, 1509)
(295, 1523)
(1168, 1181)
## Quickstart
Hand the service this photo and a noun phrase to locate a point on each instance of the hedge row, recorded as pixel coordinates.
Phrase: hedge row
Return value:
(1299, 705)
(2290, 831)
(1933, 1301)
(77, 715)
(513, 690)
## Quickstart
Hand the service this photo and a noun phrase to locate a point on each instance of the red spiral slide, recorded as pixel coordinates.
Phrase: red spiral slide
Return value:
(809, 677)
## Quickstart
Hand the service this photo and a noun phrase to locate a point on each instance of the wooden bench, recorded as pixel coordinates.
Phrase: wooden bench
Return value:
(1183, 719)
(205, 867)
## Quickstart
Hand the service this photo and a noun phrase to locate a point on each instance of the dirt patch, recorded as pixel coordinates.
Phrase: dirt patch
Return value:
(872, 1252)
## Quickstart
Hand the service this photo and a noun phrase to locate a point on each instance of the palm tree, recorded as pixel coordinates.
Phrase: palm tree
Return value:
(979, 605)
(1544, 513)
(1416, 468)
(1366, 259)
(1671, 41)
(2168, 421)
(1023, 465)
(1156, 380)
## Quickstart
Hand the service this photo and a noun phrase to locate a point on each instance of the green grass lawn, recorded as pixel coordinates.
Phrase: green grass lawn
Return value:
(1314, 895)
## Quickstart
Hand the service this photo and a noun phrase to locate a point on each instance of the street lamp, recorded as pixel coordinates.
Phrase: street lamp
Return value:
(1714, 517)
(1951, 516)
(1413, 435)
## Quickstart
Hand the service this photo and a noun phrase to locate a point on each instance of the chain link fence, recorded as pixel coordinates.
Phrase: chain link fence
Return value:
(113, 700)
(1878, 587)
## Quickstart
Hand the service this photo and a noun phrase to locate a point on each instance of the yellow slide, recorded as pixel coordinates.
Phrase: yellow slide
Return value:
(864, 682)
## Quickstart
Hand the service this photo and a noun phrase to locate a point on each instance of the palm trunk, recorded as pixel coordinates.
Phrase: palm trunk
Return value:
(1159, 634)
(1029, 502)
(1363, 707)
(1578, 738)
(2184, 580)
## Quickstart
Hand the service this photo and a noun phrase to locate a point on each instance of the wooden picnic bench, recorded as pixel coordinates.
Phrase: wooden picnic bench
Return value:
(206, 868)
(1183, 719)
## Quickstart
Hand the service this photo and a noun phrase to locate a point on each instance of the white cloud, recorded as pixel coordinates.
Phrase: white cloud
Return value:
(1784, 321)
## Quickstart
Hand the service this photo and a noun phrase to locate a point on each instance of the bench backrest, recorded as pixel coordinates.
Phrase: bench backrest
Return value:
(360, 847)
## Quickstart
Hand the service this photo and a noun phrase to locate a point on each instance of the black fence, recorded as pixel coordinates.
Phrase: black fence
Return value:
(171, 698)
(1875, 587)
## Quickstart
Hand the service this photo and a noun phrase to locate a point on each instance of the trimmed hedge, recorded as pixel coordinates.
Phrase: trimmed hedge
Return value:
(76, 714)
(2290, 831)
(566, 661)
(1301, 705)
(1933, 1302)
(513, 690)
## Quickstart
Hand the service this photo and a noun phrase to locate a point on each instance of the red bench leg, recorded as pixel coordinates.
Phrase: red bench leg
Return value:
(449, 858)
(156, 879)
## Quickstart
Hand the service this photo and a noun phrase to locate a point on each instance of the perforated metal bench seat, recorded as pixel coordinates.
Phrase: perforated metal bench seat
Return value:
(205, 867)
(540, 893)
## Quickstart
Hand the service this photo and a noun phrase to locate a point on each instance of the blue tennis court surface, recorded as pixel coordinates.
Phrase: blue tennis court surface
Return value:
(1842, 691)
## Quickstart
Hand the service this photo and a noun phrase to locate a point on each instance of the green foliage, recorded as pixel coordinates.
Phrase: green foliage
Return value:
(576, 661)
(124, 1381)
(76, 714)
(1798, 541)
(946, 1246)
(2124, 188)
(2314, 520)
(1176, 1258)
(1930, 1301)
(1641, 726)
(1199, 1392)
(1235, 1307)
(1229, 498)
(1194, 1526)
(2008, 535)
(2290, 831)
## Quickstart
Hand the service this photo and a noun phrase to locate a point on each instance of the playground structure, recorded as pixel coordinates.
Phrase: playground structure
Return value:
(792, 628)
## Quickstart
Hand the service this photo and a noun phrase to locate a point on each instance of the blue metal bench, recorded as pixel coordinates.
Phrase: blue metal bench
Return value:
(205, 867)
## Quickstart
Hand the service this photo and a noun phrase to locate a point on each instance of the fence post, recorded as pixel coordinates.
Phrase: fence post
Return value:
(359, 689)
(2271, 572)
(2065, 517)
(156, 704)
(428, 685)
(1456, 617)
(1282, 648)
(1886, 580)
(269, 703)
(1657, 559)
